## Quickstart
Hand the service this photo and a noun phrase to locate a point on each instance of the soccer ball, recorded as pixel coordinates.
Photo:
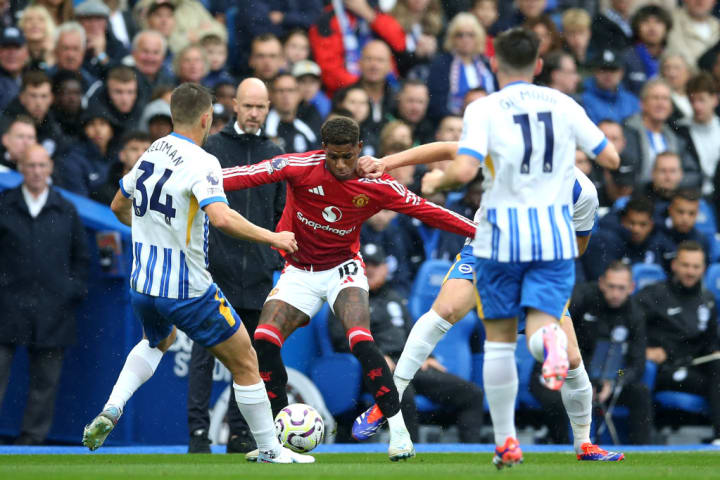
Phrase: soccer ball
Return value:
(299, 427)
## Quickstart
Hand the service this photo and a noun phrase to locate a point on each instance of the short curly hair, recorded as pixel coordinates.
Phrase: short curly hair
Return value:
(340, 131)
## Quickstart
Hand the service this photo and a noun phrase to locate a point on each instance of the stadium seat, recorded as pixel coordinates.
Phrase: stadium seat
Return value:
(322, 334)
(645, 274)
(426, 286)
(712, 280)
(430, 237)
(338, 376)
(686, 402)
(670, 400)
(715, 248)
(477, 366)
(705, 222)
(649, 375)
(300, 349)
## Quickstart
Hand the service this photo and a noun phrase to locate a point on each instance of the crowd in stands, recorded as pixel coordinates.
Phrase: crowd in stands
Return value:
(89, 83)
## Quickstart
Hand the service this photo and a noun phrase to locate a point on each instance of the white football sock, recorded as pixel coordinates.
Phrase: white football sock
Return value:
(501, 386)
(537, 346)
(396, 423)
(140, 365)
(577, 396)
(425, 334)
(254, 405)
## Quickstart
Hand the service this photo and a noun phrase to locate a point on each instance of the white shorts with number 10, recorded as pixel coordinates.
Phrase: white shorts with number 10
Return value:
(308, 290)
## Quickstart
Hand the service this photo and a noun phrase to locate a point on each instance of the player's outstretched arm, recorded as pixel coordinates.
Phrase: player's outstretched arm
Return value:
(608, 157)
(122, 208)
(370, 167)
(402, 200)
(232, 223)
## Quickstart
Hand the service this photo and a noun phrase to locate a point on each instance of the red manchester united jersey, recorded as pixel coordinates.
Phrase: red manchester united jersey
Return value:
(326, 214)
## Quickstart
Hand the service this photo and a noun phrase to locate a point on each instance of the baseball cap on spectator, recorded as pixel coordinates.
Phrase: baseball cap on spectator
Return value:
(625, 175)
(157, 5)
(607, 60)
(306, 67)
(92, 8)
(11, 36)
(373, 254)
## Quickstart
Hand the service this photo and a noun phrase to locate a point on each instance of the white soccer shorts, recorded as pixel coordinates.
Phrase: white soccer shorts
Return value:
(308, 290)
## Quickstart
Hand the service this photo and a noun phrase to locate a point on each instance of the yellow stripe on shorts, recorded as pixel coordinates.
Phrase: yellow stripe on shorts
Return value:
(457, 259)
(224, 310)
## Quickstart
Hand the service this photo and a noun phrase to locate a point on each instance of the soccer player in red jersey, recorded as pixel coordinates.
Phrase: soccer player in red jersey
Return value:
(326, 206)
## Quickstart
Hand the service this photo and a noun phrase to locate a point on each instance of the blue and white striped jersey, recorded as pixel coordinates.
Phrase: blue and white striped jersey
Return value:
(585, 203)
(526, 137)
(170, 185)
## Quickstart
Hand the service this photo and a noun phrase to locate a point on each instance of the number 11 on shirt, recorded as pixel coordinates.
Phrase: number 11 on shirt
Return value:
(524, 121)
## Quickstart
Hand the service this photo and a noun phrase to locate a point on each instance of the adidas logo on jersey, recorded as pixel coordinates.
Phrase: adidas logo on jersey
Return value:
(317, 191)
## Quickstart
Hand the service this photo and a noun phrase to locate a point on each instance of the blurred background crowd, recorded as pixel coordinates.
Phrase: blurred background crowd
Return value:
(84, 90)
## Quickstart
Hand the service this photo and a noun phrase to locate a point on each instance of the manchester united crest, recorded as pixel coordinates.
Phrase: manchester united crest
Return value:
(360, 200)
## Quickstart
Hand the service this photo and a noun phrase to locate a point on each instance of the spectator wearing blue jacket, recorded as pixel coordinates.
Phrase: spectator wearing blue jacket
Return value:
(604, 97)
(650, 26)
(635, 240)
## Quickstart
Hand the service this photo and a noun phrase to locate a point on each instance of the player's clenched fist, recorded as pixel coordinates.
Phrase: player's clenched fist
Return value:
(431, 181)
(285, 241)
(370, 167)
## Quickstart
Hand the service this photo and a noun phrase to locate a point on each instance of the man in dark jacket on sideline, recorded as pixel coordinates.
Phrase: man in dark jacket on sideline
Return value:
(605, 315)
(43, 269)
(681, 320)
(243, 270)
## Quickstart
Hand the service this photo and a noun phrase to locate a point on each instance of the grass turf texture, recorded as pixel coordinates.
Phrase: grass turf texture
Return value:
(429, 466)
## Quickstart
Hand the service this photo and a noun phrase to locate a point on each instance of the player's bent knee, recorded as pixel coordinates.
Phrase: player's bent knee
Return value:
(456, 299)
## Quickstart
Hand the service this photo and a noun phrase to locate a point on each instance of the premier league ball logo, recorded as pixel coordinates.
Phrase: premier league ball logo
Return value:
(212, 178)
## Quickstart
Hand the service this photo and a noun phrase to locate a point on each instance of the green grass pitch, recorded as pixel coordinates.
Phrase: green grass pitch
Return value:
(452, 466)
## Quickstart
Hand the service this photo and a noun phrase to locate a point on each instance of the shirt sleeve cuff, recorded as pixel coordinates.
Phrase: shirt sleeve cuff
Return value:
(583, 233)
(122, 190)
(600, 146)
(210, 200)
(469, 151)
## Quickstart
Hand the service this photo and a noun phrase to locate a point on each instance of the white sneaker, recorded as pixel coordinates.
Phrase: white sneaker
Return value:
(94, 435)
(252, 456)
(401, 447)
(285, 456)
